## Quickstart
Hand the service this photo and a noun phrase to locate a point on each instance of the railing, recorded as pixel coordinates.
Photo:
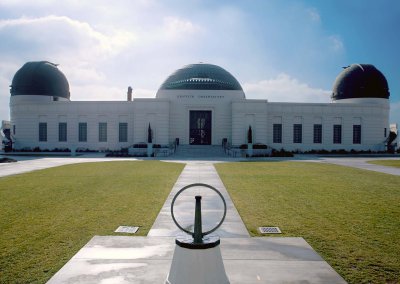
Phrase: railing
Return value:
(229, 149)
(238, 152)
(167, 151)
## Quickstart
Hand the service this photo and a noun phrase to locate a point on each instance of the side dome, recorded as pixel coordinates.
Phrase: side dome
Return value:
(360, 81)
(201, 76)
(40, 78)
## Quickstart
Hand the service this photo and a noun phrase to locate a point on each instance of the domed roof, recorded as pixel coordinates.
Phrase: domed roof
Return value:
(40, 78)
(360, 81)
(201, 76)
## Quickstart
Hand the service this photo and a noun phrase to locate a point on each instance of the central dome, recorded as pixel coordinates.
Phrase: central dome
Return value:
(201, 76)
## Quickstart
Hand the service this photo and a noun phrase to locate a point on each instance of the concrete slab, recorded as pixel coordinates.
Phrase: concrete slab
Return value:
(118, 259)
(212, 206)
(28, 164)
(362, 163)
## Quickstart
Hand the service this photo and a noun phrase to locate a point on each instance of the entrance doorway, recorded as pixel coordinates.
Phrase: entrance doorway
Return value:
(200, 127)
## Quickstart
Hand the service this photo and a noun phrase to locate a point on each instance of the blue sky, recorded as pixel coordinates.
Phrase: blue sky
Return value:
(278, 50)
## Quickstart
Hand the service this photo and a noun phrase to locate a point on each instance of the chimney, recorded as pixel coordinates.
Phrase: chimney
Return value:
(129, 94)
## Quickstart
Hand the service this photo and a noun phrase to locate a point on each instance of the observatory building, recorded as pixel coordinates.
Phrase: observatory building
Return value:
(200, 104)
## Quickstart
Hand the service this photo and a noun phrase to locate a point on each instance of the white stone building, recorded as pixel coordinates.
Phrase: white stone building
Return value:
(200, 104)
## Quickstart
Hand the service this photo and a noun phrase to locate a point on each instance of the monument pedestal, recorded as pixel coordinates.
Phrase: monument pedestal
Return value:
(149, 149)
(250, 149)
(197, 266)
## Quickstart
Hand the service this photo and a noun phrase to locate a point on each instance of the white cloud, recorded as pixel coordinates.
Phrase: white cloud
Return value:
(89, 92)
(395, 112)
(7, 71)
(284, 88)
(314, 15)
(58, 36)
(174, 27)
(144, 93)
(336, 43)
(4, 98)
(92, 92)
(82, 73)
(77, 46)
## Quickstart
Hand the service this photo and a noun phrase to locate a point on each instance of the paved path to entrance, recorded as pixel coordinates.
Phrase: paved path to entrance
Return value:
(199, 172)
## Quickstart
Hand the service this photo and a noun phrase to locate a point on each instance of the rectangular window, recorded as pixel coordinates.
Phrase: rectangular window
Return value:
(123, 132)
(297, 133)
(42, 131)
(318, 133)
(356, 134)
(62, 132)
(337, 134)
(103, 132)
(277, 133)
(82, 132)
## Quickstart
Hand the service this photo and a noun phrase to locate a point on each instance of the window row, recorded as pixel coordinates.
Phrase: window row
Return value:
(82, 132)
(317, 133)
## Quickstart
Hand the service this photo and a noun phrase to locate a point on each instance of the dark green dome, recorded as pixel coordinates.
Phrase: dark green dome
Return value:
(360, 81)
(201, 77)
(40, 78)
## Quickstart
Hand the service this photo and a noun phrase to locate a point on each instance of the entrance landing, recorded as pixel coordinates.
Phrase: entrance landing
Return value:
(120, 259)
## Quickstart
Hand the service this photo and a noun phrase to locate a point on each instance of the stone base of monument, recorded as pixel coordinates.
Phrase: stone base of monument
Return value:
(149, 149)
(197, 263)
(250, 149)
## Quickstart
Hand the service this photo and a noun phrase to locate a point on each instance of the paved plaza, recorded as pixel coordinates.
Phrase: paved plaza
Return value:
(120, 259)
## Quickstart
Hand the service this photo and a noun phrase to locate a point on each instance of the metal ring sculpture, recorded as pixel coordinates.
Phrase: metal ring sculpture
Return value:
(194, 185)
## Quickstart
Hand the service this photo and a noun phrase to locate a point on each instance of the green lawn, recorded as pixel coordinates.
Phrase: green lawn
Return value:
(48, 215)
(388, 163)
(350, 217)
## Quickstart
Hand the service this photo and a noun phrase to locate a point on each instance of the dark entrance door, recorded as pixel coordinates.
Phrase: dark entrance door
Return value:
(200, 127)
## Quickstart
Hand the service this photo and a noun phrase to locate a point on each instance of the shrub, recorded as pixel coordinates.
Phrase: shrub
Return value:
(140, 145)
(243, 146)
(7, 160)
(260, 146)
(281, 153)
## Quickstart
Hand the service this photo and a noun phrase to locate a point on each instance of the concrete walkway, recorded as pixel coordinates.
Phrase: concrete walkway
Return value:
(27, 164)
(212, 207)
(361, 163)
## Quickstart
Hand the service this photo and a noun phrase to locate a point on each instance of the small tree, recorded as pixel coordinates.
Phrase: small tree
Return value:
(249, 135)
(149, 135)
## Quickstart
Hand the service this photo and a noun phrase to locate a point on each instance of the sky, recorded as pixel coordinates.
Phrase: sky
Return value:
(282, 51)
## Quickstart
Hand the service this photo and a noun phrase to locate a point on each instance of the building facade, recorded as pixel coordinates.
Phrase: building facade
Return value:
(200, 104)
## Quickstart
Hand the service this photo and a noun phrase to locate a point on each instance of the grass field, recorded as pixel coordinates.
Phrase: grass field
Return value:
(388, 163)
(350, 217)
(48, 215)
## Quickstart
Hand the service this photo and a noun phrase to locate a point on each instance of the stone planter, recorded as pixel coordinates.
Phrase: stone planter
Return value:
(250, 149)
(149, 149)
